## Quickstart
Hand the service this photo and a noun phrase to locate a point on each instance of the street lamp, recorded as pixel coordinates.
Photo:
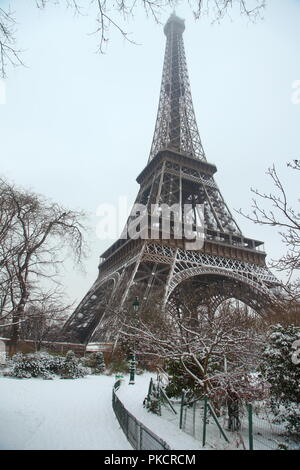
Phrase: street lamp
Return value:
(135, 306)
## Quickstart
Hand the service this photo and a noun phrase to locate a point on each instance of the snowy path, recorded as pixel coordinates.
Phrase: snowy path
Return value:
(132, 397)
(59, 414)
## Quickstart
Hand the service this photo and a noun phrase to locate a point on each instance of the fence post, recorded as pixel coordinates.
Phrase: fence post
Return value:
(214, 416)
(204, 421)
(141, 438)
(181, 408)
(138, 434)
(150, 388)
(250, 425)
(127, 421)
(194, 418)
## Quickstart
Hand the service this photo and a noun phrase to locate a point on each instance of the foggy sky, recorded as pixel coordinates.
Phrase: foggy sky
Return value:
(77, 126)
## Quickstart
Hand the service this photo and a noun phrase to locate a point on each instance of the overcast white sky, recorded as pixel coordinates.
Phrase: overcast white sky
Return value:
(77, 126)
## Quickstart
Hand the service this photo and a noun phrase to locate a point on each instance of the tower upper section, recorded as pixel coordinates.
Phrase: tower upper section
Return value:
(174, 22)
(176, 127)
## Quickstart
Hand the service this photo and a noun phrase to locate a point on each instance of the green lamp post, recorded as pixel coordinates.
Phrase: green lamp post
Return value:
(135, 306)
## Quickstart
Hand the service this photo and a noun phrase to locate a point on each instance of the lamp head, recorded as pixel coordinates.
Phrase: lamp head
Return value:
(136, 304)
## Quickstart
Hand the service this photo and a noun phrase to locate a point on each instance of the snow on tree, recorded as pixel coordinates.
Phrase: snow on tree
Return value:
(71, 369)
(282, 371)
(211, 352)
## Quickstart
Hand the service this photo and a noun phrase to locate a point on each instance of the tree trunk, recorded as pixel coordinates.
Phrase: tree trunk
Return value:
(15, 330)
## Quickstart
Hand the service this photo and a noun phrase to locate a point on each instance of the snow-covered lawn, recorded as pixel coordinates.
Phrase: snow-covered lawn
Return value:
(76, 414)
(59, 414)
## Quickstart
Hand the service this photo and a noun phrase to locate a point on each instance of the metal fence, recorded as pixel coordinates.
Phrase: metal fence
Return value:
(139, 436)
(254, 427)
(263, 432)
(199, 419)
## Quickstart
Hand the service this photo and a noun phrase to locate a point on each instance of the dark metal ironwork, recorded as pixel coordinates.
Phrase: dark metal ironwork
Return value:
(139, 436)
(132, 367)
(177, 173)
(176, 126)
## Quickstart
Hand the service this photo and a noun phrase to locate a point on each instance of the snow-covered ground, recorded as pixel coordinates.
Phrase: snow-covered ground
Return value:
(132, 397)
(59, 414)
(76, 414)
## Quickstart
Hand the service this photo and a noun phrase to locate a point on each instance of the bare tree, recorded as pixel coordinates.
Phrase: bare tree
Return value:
(35, 236)
(44, 319)
(216, 350)
(9, 53)
(116, 15)
(275, 210)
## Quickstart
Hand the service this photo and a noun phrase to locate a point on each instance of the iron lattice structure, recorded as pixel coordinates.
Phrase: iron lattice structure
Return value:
(177, 173)
(176, 125)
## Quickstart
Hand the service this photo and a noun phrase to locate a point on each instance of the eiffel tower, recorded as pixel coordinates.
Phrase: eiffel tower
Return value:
(177, 173)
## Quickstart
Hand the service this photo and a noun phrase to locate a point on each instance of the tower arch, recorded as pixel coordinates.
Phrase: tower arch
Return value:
(213, 287)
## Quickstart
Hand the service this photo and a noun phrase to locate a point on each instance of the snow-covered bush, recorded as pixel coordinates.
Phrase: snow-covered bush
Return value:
(45, 366)
(34, 365)
(71, 368)
(95, 361)
(283, 375)
(152, 400)
(152, 405)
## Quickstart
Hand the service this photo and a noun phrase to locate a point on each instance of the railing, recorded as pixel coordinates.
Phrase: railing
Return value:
(139, 436)
(233, 425)
(250, 427)
(199, 419)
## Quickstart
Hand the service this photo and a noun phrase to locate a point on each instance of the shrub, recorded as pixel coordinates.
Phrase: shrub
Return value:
(45, 366)
(95, 361)
(119, 365)
(34, 365)
(152, 401)
(283, 375)
(71, 369)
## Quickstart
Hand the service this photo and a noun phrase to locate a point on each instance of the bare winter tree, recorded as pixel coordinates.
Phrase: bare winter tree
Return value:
(9, 52)
(275, 210)
(44, 319)
(116, 15)
(35, 234)
(216, 350)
